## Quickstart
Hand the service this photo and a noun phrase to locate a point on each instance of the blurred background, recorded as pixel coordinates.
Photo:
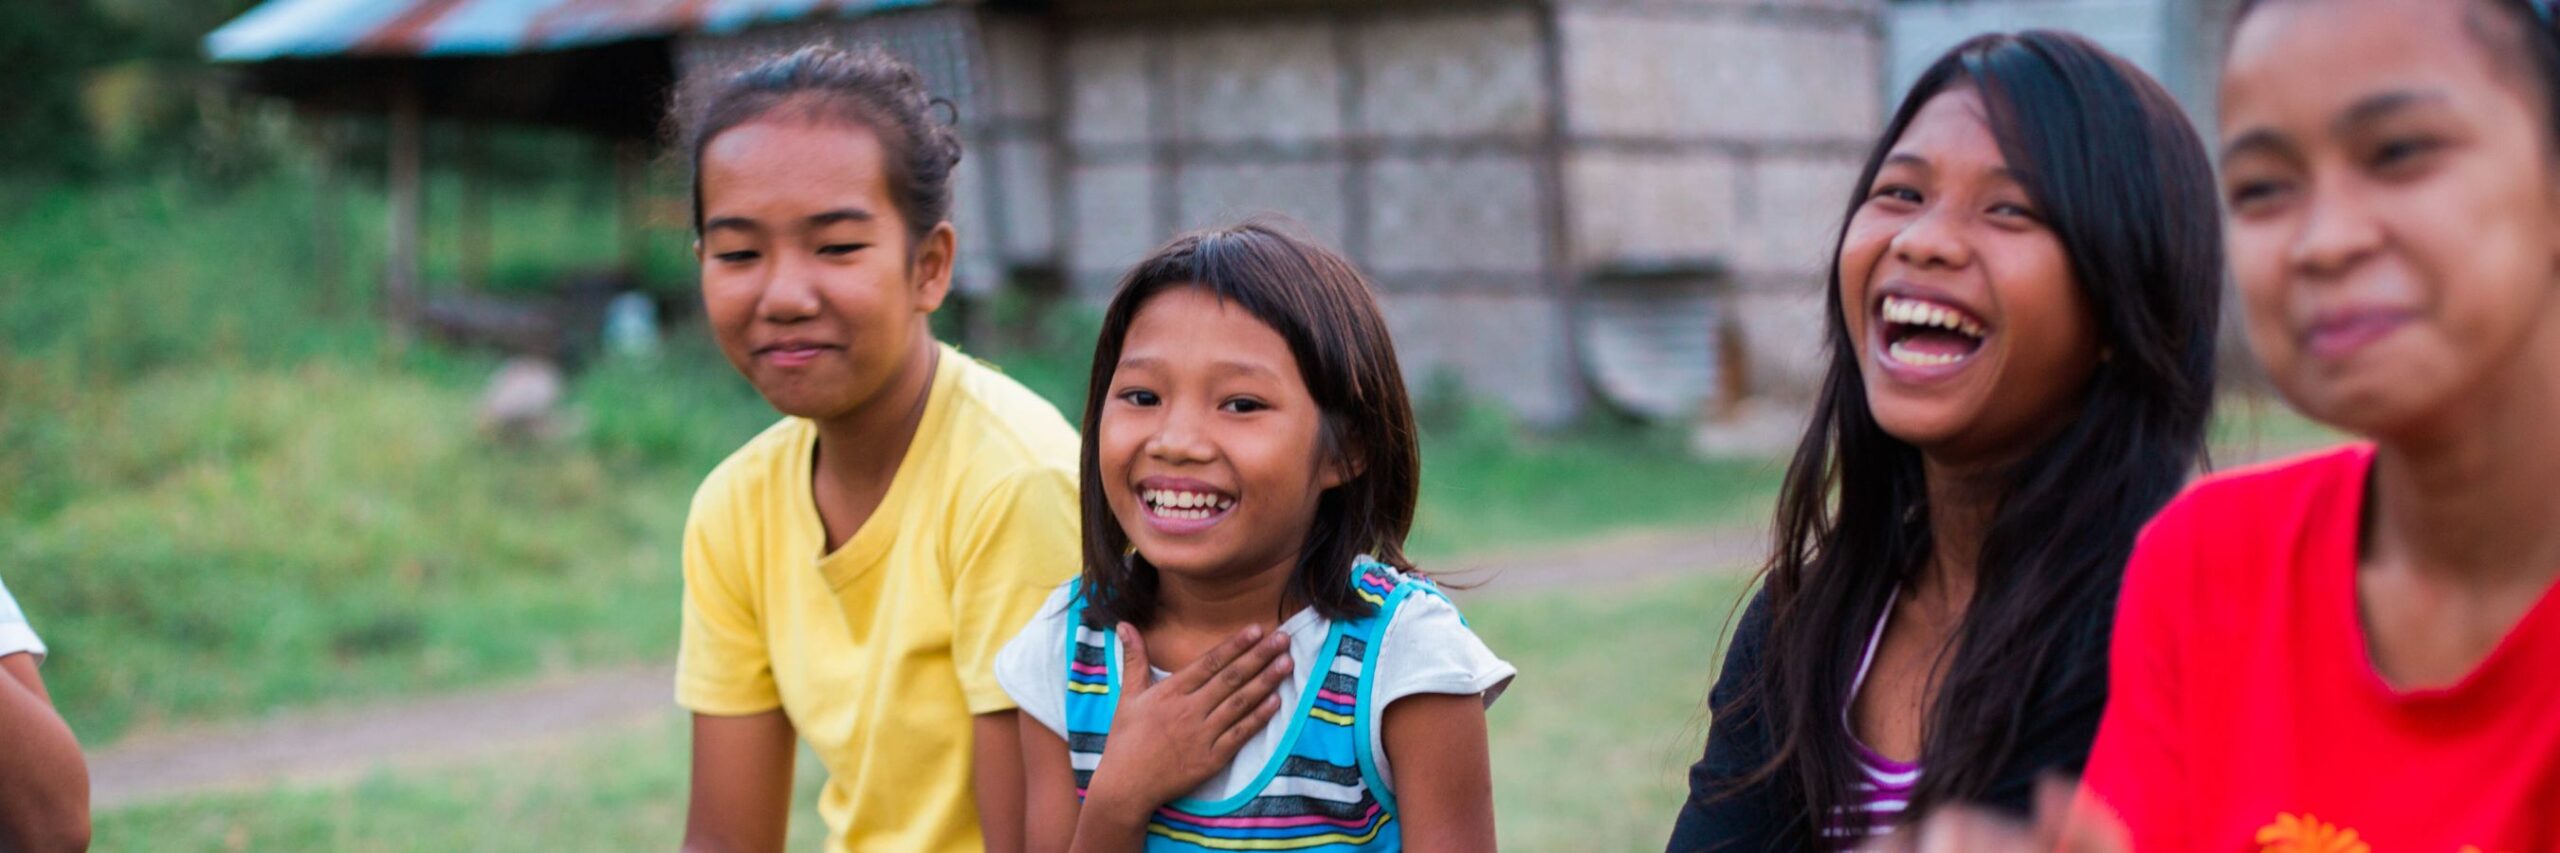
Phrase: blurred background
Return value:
(352, 387)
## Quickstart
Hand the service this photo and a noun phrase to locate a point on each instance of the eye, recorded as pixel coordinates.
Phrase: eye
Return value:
(1137, 397)
(737, 257)
(2016, 211)
(1244, 405)
(1895, 192)
(2246, 195)
(2400, 152)
(837, 250)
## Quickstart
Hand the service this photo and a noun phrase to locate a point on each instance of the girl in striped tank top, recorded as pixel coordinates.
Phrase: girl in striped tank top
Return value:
(1249, 476)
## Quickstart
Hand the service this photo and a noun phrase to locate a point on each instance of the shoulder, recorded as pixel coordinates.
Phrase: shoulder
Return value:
(1425, 644)
(1045, 636)
(15, 634)
(755, 467)
(2249, 498)
(1003, 425)
(1032, 666)
(2254, 515)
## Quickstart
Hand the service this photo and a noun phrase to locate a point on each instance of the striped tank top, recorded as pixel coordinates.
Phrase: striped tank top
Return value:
(1884, 785)
(1320, 792)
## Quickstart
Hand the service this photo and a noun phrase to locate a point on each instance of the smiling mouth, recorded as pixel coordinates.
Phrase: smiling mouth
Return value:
(1921, 333)
(1186, 504)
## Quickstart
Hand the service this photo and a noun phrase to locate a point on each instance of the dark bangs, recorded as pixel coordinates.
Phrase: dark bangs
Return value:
(1324, 308)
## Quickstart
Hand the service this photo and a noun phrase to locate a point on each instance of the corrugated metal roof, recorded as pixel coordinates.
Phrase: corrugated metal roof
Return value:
(316, 29)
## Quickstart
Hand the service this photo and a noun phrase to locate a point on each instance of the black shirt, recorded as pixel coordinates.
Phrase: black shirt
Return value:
(2056, 739)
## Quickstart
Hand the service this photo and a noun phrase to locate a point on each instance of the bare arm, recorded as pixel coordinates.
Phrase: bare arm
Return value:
(1444, 776)
(998, 760)
(44, 783)
(741, 783)
(1049, 785)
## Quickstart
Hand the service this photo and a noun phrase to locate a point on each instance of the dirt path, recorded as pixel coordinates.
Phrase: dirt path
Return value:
(345, 744)
(342, 744)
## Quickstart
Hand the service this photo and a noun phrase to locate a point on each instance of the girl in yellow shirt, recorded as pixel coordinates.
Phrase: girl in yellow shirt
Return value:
(851, 573)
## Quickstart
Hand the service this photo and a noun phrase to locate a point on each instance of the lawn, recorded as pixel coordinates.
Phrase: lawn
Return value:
(1619, 736)
(225, 496)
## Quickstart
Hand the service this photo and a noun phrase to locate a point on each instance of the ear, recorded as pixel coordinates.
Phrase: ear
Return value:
(931, 271)
(1340, 468)
(698, 257)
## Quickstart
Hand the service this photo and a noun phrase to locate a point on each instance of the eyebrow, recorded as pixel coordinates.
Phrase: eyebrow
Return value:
(1222, 366)
(1916, 161)
(2382, 105)
(2257, 139)
(2365, 111)
(816, 220)
(733, 223)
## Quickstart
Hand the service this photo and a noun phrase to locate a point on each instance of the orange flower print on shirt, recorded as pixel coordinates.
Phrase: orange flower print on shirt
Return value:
(2307, 834)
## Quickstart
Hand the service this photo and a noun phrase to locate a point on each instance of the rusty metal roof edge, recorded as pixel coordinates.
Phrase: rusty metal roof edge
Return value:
(391, 29)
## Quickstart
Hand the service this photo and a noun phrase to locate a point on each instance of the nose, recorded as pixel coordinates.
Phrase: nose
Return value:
(790, 292)
(1934, 239)
(2336, 234)
(1180, 438)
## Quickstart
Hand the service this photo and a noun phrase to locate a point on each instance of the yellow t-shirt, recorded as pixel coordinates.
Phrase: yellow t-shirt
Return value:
(882, 651)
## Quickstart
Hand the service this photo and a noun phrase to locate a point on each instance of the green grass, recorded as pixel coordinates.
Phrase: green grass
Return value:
(620, 790)
(2249, 428)
(1622, 733)
(228, 492)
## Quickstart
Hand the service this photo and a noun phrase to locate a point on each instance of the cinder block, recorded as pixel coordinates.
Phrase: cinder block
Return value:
(1629, 207)
(1475, 213)
(1741, 77)
(1451, 75)
(1017, 67)
(1107, 86)
(1509, 348)
(1782, 345)
(977, 270)
(1025, 169)
(1113, 222)
(1792, 220)
(1264, 81)
(1311, 193)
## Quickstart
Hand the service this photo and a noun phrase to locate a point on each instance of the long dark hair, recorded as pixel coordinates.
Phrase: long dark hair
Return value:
(1324, 308)
(2124, 184)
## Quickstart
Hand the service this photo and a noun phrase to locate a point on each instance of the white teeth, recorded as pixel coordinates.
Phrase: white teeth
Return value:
(1921, 359)
(1914, 312)
(1193, 505)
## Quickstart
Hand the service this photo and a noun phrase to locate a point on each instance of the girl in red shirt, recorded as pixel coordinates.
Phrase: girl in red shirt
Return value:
(2359, 650)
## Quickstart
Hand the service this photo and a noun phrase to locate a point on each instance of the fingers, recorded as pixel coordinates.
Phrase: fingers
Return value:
(1961, 829)
(1265, 685)
(1232, 740)
(2070, 818)
(1134, 674)
(1189, 678)
(1245, 667)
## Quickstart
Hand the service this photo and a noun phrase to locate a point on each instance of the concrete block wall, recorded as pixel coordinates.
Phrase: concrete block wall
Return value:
(1407, 136)
(1013, 141)
(1728, 133)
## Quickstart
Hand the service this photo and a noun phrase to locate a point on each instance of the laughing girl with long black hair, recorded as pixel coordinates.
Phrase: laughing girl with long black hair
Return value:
(2022, 318)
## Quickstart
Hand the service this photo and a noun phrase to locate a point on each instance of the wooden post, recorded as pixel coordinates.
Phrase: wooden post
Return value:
(630, 162)
(400, 278)
(475, 209)
(328, 249)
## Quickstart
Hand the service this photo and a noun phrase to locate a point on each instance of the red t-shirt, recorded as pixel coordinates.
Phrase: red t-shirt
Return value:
(2245, 715)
